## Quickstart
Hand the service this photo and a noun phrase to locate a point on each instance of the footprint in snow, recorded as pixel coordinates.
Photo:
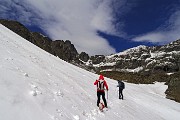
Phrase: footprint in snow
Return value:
(26, 75)
(59, 112)
(76, 117)
(33, 93)
(54, 118)
(75, 107)
(35, 90)
(59, 93)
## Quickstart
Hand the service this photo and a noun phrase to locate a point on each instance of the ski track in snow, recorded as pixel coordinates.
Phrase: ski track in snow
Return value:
(35, 85)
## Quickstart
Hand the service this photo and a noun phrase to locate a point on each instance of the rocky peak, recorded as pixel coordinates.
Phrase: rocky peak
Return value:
(64, 50)
(84, 56)
(173, 46)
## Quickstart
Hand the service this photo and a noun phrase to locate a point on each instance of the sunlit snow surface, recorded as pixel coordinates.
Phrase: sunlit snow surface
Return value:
(35, 85)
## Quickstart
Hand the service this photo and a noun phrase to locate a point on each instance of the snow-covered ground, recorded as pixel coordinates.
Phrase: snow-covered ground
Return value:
(35, 85)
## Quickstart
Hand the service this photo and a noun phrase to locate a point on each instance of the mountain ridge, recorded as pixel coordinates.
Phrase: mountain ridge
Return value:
(150, 63)
(54, 47)
(36, 85)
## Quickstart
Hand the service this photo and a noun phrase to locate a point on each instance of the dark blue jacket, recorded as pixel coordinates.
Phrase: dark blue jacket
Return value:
(121, 85)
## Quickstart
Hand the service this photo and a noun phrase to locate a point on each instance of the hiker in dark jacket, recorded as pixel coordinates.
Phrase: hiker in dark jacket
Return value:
(121, 87)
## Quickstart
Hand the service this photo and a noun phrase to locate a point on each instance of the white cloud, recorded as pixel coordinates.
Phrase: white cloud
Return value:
(164, 35)
(74, 20)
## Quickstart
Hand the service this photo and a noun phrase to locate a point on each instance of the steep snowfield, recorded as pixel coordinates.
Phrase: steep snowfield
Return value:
(35, 85)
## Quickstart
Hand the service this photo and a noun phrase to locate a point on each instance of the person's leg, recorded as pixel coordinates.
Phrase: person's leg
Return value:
(119, 93)
(122, 94)
(98, 98)
(104, 99)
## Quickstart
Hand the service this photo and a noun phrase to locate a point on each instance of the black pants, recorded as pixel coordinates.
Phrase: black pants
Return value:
(103, 97)
(120, 93)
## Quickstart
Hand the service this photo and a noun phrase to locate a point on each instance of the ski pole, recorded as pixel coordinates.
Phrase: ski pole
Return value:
(107, 94)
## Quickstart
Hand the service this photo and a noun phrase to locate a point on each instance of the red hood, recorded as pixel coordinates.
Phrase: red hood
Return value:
(101, 77)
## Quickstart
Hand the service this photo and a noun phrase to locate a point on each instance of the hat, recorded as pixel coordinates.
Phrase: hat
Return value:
(101, 77)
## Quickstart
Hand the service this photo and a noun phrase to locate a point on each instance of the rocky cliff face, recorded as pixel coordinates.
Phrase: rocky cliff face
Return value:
(64, 50)
(142, 59)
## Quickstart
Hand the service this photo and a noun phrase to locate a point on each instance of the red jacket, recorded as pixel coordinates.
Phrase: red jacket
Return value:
(105, 83)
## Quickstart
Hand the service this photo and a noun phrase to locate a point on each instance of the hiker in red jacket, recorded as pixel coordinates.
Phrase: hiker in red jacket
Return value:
(100, 83)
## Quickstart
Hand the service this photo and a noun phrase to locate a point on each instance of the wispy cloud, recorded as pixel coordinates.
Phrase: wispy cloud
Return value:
(165, 33)
(75, 20)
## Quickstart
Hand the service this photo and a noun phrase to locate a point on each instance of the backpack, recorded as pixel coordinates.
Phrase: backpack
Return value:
(100, 85)
(121, 85)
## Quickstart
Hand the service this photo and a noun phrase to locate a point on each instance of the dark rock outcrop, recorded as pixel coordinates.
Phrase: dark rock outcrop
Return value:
(97, 59)
(64, 50)
(41, 41)
(173, 91)
(84, 56)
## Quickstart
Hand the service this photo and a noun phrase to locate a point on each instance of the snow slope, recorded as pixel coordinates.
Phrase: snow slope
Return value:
(35, 85)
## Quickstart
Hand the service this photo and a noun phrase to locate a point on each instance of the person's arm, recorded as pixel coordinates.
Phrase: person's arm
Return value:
(95, 83)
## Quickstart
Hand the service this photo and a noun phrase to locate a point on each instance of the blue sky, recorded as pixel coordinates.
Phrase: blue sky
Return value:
(99, 26)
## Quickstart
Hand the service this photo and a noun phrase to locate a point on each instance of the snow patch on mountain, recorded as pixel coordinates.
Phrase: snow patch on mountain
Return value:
(131, 50)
